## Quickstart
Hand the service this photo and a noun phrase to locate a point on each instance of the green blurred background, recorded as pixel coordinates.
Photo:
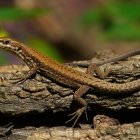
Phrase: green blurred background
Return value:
(69, 30)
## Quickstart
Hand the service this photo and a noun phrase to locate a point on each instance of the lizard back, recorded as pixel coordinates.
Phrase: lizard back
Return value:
(61, 73)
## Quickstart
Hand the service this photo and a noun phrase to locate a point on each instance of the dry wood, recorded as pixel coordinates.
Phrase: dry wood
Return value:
(124, 132)
(40, 94)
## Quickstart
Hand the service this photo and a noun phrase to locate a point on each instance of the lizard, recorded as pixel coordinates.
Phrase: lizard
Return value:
(66, 75)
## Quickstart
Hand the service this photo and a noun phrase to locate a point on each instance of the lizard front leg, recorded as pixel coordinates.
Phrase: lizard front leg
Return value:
(28, 74)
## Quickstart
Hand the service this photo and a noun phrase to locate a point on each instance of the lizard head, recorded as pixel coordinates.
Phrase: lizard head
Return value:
(12, 46)
(8, 44)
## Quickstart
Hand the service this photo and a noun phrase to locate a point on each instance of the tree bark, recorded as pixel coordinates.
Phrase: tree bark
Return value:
(39, 94)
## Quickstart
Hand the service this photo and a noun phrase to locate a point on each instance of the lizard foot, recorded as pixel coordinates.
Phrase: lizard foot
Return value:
(27, 75)
(76, 115)
(5, 130)
(19, 81)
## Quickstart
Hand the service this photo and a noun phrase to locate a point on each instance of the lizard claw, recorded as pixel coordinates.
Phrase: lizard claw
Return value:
(27, 75)
(20, 81)
(76, 115)
(5, 130)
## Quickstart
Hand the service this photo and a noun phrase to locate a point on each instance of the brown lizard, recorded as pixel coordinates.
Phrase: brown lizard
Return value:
(66, 75)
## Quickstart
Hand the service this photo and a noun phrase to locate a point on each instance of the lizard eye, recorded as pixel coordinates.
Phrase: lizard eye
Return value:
(6, 42)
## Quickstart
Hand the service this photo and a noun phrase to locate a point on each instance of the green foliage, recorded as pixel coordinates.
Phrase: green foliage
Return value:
(2, 56)
(13, 13)
(3, 32)
(90, 17)
(127, 11)
(117, 20)
(125, 31)
(45, 48)
(2, 59)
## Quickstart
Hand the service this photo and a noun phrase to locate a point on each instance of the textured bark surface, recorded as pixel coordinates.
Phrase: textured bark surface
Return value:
(127, 131)
(39, 94)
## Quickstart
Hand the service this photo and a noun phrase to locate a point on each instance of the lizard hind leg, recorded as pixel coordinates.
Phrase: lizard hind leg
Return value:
(100, 74)
(77, 97)
(80, 92)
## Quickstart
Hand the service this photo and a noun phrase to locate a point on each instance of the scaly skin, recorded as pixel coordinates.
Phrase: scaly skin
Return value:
(61, 73)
